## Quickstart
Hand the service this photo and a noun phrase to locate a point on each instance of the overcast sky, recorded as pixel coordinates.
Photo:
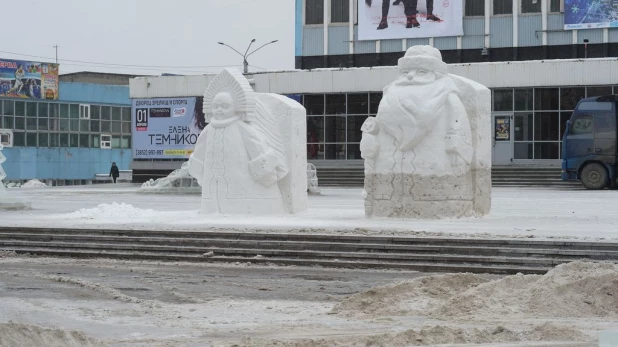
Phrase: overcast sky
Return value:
(169, 33)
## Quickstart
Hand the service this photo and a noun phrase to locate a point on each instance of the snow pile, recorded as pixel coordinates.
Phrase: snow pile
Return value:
(113, 211)
(13, 334)
(437, 335)
(572, 290)
(34, 184)
(413, 297)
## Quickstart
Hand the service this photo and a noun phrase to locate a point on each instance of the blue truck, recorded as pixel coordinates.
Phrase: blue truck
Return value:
(589, 143)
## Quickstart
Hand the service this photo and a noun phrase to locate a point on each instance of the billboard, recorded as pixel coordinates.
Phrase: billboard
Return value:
(28, 80)
(166, 128)
(590, 14)
(383, 19)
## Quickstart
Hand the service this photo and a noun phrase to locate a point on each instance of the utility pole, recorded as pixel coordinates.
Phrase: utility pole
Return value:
(56, 47)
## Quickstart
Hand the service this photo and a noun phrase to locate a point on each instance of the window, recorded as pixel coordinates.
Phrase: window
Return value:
(554, 6)
(20, 108)
(9, 107)
(475, 8)
(125, 142)
(43, 109)
(106, 141)
(74, 111)
(19, 139)
(6, 138)
(116, 113)
(530, 6)
(84, 111)
(503, 7)
(581, 125)
(115, 141)
(31, 109)
(314, 12)
(340, 11)
(503, 100)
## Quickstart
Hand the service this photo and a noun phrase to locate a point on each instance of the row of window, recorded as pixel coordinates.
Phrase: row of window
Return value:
(340, 9)
(545, 99)
(61, 110)
(45, 139)
(48, 124)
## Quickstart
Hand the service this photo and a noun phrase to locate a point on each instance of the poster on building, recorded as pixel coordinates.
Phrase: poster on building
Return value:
(166, 128)
(399, 19)
(503, 129)
(590, 14)
(28, 80)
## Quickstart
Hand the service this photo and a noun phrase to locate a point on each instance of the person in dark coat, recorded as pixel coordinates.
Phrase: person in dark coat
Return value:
(114, 172)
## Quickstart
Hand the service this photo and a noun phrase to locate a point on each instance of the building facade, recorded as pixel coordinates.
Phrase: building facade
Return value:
(493, 30)
(536, 69)
(70, 140)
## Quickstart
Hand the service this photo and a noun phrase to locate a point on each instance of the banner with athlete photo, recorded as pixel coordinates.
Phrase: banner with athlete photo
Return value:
(28, 80)
(400, 19)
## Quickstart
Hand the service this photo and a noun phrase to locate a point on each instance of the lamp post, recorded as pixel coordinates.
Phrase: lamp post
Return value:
(245, 56)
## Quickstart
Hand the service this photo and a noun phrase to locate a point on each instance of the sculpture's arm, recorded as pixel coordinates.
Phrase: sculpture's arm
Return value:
(265, 166)
(196, 160)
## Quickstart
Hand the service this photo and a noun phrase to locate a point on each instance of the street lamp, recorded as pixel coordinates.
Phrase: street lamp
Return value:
(245, 56)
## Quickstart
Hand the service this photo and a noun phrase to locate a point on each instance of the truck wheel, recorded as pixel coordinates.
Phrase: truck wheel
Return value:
(594, 176)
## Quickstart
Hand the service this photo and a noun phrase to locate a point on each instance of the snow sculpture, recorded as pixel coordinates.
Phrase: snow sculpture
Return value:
(178, 181)
(251, 158)
(6, 202)
(427, 152)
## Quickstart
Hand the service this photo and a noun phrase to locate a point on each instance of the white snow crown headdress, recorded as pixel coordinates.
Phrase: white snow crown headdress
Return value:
(234, 83)
(423, 57)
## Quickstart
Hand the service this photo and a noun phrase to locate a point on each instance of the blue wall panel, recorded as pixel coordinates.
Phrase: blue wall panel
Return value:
(501, 32)
(474, 33)
(613, 35)
(530, 27)
(390, 46)
(562, 37)
(338, 39)
(298, 27)
(25, 163)
(363, 46)
(445, 42)
(94, 93)
(594, 35)
(313, 40)
(416, 42)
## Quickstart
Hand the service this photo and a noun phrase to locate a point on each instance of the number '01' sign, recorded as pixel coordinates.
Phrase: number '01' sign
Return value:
(141, 119)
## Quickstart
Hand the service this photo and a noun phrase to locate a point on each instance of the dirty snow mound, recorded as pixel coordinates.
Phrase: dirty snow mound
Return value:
(34, 184)
(437, 335)
(413, 297)
(21, 335)
(577, 289)
(113, 211)
(8, 254)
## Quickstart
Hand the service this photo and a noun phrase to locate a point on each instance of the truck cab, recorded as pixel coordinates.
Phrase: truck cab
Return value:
(589, 143)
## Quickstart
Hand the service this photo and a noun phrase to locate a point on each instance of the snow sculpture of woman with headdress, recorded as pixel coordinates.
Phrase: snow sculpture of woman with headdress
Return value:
(241, 159)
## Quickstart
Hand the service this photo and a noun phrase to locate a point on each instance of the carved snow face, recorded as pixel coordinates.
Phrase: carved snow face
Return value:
(416, 76)
(223, 106)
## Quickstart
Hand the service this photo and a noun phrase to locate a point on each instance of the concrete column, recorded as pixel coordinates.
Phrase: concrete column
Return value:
(544, 13)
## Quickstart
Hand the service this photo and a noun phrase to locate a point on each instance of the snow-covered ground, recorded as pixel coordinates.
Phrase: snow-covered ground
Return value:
(516, 212)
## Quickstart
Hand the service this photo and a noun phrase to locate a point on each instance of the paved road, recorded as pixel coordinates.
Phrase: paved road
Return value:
(141, 303)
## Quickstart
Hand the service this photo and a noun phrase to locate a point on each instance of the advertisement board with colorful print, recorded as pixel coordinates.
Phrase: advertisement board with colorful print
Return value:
(166, 128)
(590, 14)
(28, 80)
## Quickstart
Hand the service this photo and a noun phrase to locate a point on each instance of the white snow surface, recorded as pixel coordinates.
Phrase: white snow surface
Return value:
(516, 212)
(34, 184)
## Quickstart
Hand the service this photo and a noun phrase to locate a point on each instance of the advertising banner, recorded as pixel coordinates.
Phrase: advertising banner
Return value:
(28, 80)
(166, 128)
(590, 14)
(503, 129)
(399, 19)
